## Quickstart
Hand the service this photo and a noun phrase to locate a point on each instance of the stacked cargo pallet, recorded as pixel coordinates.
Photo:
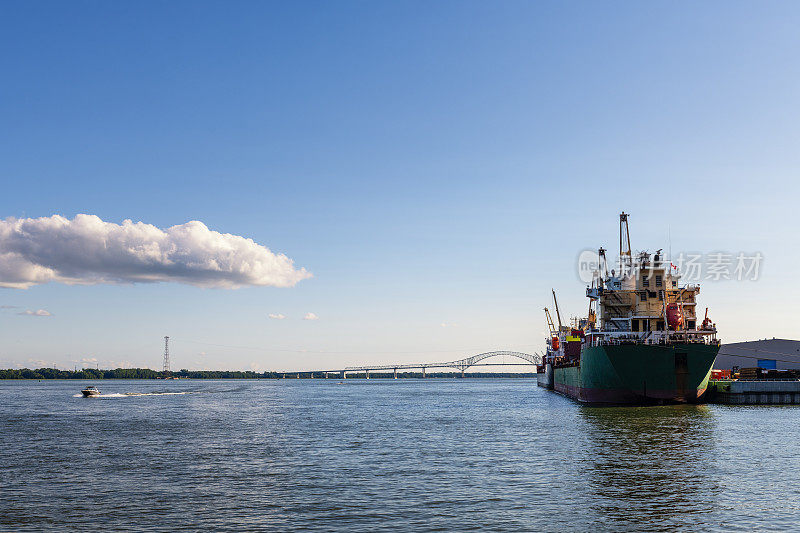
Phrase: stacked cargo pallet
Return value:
(750, 373)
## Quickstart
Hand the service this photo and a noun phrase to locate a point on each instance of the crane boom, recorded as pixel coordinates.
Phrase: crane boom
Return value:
(602, 265)
(549, 321)
(558, 313)
(625, 257)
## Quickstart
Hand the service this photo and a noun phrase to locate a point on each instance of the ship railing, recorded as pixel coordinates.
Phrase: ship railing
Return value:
(604, 338)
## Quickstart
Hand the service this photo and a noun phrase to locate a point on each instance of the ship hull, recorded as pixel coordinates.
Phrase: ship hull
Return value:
(637, 374)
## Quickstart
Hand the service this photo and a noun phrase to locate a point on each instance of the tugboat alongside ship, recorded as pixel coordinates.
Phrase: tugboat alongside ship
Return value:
(640, 342)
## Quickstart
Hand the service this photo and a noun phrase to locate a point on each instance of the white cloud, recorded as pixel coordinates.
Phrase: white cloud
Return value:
(40, 363)
(87, 250)
(94, 362)
(448, 325)
(9, 307)
(38, 312)
(310, 316)
(277, 316)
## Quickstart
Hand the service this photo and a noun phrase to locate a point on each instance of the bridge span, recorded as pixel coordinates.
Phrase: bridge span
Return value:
(459, 364)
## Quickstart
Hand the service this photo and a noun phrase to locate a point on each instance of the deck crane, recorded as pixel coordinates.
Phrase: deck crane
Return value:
(625, 256)
(591, 317)
(550, 324)
(707, 324)
(558, 313)
(602, 265)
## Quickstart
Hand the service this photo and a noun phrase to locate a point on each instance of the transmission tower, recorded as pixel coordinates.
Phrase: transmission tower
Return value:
(166, 354)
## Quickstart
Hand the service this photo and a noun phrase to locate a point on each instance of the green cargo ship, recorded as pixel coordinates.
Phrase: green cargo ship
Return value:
(640, 342)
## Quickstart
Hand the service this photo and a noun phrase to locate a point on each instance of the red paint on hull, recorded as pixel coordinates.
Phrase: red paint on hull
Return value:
(626, 396)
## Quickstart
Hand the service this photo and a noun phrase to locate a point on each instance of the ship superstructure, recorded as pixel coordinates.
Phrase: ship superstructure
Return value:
(640, 341)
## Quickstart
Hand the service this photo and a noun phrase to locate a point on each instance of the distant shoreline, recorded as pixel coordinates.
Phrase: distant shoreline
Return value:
(147, 373)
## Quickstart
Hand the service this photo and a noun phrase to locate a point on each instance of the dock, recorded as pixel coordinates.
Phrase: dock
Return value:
(753, 392)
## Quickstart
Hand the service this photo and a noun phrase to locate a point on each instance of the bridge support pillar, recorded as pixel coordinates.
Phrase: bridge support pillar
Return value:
(423, 372)
(395, 373)
(367, 372)
(462, 373)
(326, 375)
(344, 374)
(298, 375)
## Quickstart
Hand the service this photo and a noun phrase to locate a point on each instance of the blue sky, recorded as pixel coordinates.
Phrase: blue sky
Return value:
(429, 163)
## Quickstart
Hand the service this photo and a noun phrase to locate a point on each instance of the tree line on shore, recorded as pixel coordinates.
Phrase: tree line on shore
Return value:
(147, 373)
(130, 373)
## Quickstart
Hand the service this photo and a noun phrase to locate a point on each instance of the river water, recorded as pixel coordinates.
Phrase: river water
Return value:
(391, 455)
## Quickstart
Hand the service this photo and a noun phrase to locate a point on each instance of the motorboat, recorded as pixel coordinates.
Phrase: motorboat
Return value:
(90, 391)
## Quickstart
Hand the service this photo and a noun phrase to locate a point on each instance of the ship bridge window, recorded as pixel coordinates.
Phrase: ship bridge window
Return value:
(643, 296)
(660, 295)
(674, 283)
(659, 281)
(645, 281)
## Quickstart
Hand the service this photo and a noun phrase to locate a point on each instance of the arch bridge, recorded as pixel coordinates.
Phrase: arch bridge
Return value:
(459, 364)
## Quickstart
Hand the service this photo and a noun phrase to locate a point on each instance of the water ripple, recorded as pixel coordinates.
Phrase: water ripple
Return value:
(384, 455)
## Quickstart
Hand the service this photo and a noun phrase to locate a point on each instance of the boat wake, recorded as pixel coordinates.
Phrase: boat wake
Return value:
(131, 394)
